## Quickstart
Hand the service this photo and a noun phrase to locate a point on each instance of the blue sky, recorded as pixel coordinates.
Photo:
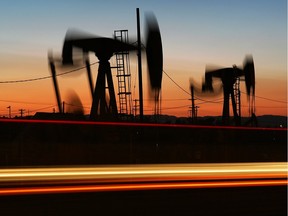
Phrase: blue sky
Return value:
(245, 20)
(194, 34)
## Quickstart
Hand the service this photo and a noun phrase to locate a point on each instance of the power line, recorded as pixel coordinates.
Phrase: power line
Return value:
(215, 101)
(279, 101)
(168, 108)
(267, 107)
(177, 107)
(168, 99)
(42, 108)
(210, 101)
(177, 84)
(206, 101)
(45, 77)
(219, 100)
(75, 105)
(23, 102)
(35, 110)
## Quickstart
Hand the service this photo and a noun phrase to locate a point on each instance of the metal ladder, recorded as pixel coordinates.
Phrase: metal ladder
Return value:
(123, 75)
(237, 94)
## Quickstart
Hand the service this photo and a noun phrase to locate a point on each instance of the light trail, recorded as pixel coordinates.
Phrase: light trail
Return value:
(140, 177)
(133, 124)
(199, 171)
(142, 186)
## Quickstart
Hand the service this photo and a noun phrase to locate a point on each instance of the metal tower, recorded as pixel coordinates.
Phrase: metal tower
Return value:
(123, 74)
(237, 94)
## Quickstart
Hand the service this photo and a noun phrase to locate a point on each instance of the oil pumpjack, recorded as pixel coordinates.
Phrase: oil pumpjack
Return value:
(103, 49)
(104, 104)
(229, 76)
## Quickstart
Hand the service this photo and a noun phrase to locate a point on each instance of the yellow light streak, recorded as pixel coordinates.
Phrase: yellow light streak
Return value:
(193, 171)
(20, 181)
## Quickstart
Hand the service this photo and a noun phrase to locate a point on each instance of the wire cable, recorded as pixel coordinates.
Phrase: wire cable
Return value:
(177, 84)
(23, 102)
(217, 100)
(206, 101)
(45, 77)
(279, 101)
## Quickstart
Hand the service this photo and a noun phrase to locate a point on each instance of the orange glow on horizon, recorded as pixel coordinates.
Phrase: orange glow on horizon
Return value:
(40, 96)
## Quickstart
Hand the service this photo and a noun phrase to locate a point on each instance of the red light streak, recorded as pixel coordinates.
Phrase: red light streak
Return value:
(129, 124)
(145, 186)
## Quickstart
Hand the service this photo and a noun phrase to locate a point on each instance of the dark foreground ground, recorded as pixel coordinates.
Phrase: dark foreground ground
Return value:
(24, 143)
(262, 201)
(30, 143)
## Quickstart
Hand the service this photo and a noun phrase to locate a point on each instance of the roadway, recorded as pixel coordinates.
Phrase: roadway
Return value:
(167, 189)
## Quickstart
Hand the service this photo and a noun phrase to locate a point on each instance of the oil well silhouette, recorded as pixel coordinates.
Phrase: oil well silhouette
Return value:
(104, 104)
(230, 78)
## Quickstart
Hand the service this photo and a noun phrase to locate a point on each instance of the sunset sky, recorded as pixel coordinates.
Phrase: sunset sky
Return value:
(194, 34)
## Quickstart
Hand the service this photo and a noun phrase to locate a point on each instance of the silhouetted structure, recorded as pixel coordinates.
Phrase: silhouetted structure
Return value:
(123, 75)
(55, 83)
(193, 107)
(154, 55)
(104, 103)
(229, 77)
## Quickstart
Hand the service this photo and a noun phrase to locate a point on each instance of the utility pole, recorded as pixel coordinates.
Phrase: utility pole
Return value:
(21, 112)
(9, 111)
(194, 108)
(139, 65)
(196, 111)
(193, 114)
(135, 107)
(63, 107)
